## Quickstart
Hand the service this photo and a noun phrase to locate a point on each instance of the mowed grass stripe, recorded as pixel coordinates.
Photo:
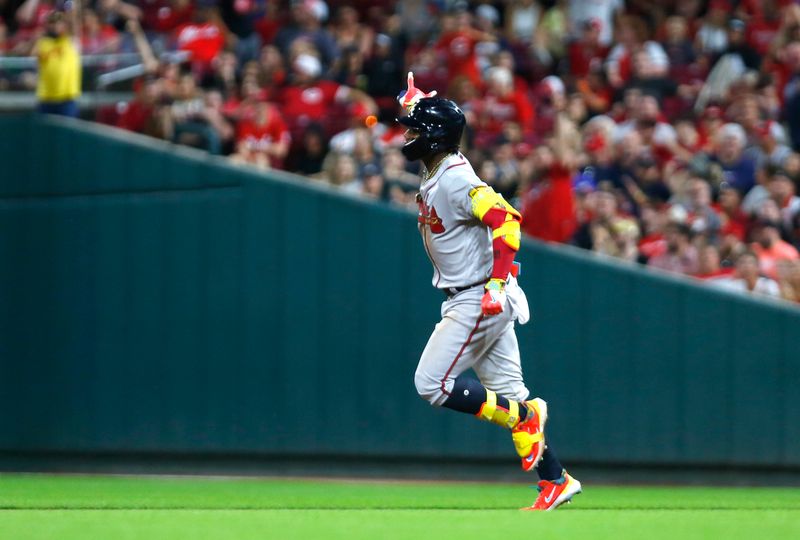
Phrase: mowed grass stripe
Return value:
(395, 524)
(146, 493)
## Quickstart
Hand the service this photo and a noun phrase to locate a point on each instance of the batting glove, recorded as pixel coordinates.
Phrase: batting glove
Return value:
(409, 97)
(494, 298)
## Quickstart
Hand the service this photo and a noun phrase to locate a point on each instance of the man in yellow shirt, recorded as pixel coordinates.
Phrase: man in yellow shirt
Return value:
(59, 85)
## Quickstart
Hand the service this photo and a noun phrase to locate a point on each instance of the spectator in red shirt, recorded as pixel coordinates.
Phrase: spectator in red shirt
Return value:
(764, 24)
(264, 139)
(139, 114)
(502, 103)
(733, 219)
(202, 37)
(548, 205)
(309, 99)
(652, 223)
(587, 52)
(708, 264)
(98, 38)
(457, 44)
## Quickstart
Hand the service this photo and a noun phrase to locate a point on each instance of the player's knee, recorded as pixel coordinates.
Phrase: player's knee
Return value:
(428, 387)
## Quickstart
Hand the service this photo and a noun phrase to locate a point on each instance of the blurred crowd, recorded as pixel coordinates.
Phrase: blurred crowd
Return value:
(659, 132)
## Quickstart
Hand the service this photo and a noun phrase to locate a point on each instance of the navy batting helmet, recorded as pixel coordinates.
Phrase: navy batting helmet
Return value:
(440, 124)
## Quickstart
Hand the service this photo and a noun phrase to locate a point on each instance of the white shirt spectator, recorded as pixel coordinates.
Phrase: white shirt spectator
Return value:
(581, 11)
(765, 286)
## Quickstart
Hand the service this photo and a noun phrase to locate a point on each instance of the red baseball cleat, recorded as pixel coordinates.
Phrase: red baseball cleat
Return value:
(555, 493)
(529, 434)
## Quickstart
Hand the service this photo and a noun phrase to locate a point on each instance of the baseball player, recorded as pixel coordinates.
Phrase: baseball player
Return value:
(471, 235)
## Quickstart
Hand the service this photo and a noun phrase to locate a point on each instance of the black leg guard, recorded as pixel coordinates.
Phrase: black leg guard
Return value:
(467, 396)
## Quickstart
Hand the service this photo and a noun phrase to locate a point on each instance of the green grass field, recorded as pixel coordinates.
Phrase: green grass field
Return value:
(156, 508)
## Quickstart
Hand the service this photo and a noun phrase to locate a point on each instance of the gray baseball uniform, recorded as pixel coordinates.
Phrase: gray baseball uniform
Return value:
(460, 248)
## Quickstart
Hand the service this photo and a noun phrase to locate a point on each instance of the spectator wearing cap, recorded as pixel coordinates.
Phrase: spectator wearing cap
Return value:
(747, 279)
(680, 256)
(550, 102)
(310, 99)
(756, 197)
(737, 169)
(770, 248)
(263, 139)
(370, 184)
(58, 56)
(305, 24)
(139, 114)
(738, 45)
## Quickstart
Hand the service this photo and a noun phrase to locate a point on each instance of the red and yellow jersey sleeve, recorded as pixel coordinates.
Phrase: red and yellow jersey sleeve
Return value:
(504, 220)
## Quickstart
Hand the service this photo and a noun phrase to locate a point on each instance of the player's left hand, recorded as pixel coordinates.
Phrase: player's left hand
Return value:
(494, 298)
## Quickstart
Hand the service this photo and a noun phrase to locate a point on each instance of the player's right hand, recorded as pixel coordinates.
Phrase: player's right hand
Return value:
(494, 297)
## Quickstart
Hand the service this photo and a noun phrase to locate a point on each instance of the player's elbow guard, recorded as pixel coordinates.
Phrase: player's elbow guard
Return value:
(493, 210)
(509, 232)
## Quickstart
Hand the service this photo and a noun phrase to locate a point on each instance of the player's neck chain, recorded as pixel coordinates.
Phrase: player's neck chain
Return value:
(429, 174)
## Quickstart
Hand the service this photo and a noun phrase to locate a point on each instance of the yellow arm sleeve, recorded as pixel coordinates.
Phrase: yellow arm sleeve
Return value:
(504, 222)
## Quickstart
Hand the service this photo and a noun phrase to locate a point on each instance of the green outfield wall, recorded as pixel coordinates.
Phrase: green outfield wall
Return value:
(155, 299)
